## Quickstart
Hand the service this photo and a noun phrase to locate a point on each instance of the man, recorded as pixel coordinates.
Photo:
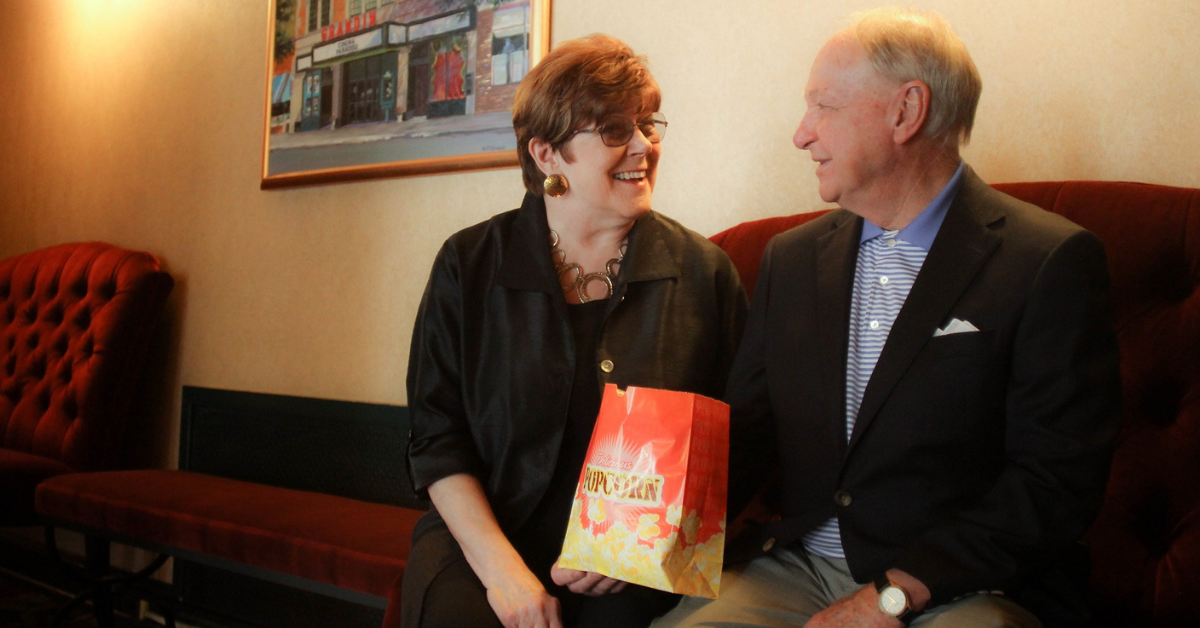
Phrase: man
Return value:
(931, 368)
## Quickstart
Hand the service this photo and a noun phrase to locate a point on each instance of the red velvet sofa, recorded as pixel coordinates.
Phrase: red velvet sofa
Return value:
(75, 323)
(1145, 544)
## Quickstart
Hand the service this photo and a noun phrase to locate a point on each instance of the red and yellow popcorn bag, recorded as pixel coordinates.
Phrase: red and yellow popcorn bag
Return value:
(650, 506)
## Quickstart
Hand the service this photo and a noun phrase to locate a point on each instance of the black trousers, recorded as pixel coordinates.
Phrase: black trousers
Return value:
(445, 592)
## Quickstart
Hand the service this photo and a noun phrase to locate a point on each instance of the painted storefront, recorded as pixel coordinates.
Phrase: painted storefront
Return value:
(365, 61)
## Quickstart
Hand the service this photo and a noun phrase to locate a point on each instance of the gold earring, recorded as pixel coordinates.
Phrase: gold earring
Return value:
(555, 185)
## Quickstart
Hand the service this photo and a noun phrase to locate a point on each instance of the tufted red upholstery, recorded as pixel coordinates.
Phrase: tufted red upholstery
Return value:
(1146, 542)
(75, 320)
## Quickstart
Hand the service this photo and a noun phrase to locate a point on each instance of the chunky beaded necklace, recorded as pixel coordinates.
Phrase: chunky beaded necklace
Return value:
(571, 277)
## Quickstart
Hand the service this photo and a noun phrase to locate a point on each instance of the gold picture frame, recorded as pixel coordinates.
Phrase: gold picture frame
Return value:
(368, 89)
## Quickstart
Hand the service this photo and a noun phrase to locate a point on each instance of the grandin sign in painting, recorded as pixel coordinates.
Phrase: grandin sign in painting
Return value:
(361, 89)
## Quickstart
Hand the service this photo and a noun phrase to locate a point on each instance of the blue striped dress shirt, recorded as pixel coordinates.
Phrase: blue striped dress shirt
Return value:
(888, 263)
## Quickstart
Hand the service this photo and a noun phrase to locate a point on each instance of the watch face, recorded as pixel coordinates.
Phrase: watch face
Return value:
(893, 601)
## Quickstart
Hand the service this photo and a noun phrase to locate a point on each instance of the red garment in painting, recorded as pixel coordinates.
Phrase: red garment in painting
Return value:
(447, 76)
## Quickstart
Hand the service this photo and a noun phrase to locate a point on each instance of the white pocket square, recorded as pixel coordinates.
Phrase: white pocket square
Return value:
(955, 326)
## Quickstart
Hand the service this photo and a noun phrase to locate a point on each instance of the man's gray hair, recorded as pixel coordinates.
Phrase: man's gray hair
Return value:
(905, 45)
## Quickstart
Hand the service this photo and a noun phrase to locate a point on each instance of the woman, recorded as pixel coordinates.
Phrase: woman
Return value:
(525, 318)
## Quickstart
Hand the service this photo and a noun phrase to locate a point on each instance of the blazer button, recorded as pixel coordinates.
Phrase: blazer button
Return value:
(606, 366)
(769, 544)
(842, 498)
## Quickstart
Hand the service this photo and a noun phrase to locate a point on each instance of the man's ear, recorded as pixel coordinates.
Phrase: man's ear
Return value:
(544, 156)
(911, 111)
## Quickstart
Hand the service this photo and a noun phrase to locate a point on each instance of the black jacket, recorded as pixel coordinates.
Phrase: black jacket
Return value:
(493, 357)
(977, 459)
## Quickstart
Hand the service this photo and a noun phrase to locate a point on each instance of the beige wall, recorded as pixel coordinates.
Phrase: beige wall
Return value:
(140, 122)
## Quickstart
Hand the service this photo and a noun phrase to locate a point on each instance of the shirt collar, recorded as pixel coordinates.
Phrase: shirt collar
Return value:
(922, 230)
(526, 265)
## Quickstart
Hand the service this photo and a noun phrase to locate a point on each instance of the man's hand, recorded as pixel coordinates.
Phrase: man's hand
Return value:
(522, 602)
(585, 582)
(860, 610)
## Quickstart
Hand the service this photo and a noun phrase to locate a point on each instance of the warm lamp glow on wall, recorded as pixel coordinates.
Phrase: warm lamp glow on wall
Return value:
(111, 30)
(104, 45)
(103, 15)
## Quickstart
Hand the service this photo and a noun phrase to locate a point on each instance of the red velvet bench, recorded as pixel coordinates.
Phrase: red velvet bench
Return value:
(346, 548)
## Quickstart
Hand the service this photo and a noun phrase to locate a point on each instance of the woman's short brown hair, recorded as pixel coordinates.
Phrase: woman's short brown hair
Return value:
(578, 83)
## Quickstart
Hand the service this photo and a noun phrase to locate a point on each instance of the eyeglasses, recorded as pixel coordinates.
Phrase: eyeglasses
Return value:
(618, 130)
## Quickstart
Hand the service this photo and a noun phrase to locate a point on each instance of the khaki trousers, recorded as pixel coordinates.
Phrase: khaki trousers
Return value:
(786, 588)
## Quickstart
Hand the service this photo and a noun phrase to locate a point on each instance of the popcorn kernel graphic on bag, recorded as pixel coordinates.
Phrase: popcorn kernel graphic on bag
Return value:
(650, 504)
(646, 527)
(596, 511)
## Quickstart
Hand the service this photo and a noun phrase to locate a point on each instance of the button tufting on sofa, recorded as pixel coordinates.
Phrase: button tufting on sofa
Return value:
(42, 429)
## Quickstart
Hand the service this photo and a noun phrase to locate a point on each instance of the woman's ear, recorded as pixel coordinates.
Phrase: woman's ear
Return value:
(544, 156)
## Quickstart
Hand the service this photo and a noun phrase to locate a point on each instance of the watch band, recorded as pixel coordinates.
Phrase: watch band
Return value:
(908, 615)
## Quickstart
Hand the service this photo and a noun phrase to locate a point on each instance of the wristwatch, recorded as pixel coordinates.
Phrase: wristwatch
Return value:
(893, 600)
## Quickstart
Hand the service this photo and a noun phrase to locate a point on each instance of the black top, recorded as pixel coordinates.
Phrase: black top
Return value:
(541, 538)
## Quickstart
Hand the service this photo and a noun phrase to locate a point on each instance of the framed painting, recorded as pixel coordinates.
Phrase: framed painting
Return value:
(365, 89)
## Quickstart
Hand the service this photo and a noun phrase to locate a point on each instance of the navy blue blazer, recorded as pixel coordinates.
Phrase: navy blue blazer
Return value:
(978, 459)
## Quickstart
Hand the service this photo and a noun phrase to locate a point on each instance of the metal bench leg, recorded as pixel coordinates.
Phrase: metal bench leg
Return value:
(97, 573)
(97, 553)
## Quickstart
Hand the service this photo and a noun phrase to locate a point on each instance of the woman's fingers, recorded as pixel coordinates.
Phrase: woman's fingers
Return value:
(596, 584)
(563, 577)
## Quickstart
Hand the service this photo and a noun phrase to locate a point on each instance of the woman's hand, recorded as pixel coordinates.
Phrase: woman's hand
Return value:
(585, 582)
(521, 601)
(514, 593)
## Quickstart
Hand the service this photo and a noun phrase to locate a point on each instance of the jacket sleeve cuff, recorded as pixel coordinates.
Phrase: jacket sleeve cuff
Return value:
(432, 460)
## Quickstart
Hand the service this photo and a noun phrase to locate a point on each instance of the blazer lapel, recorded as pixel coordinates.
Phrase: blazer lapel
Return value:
(959, 251)
(837, 257)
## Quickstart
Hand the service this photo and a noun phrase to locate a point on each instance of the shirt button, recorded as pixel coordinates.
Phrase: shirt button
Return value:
(769, 544)
(874, 325)
(884, 280)
(606, 366)
(891, 243)
(842, 498)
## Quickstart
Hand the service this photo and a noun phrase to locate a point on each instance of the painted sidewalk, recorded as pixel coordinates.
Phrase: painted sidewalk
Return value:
(384, 131)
